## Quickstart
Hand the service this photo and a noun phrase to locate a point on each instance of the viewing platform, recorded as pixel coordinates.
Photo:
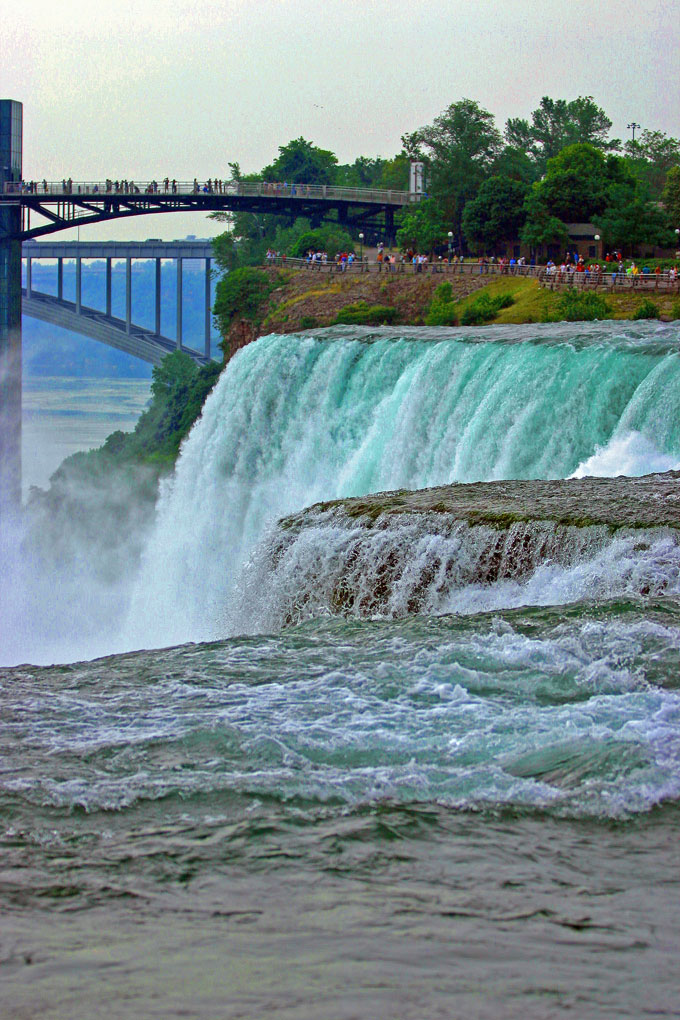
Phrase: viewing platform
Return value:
(606, 281)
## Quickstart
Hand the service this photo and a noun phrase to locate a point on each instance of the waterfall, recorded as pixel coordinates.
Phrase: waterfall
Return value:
(301, 418)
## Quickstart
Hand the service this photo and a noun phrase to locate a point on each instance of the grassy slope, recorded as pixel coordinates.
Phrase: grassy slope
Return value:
(534, 303)
(303, 298)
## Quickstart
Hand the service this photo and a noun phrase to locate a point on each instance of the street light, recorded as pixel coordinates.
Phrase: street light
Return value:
(361, 247)
(450, 243)
(633, 127)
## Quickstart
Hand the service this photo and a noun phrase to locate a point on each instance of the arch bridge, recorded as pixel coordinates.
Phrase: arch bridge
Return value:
(149, 344)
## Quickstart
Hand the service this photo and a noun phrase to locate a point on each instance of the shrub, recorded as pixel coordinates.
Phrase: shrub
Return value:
(443, 309)
(675, 309)
(308, 322)
(330, 238)
(484, 308)
(362, 314)
(646, 310)
(579, 306)
(240, 293)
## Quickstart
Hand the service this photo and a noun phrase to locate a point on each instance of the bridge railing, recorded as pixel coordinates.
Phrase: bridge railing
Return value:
(168, 188)
(664, 281)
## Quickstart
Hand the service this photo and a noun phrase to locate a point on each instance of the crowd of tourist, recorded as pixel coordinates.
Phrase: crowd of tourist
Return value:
(572, 268)
(123, 186)
(576, 269)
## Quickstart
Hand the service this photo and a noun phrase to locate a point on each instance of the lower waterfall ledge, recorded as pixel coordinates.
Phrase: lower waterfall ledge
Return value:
(467, 548)
(649, 501)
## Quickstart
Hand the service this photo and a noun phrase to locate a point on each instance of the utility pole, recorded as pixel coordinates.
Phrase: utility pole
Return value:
(634, 127)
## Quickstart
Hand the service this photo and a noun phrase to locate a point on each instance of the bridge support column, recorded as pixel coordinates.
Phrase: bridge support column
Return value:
(158, 297)
(389, 226)
(10, 367)
(179, 304)
(11, 114)
(108, 287)
(60, 279)
(128, 294)
(28, 276)
(208, 309)
(79, 284)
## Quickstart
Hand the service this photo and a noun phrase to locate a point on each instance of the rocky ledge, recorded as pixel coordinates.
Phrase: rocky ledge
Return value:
(650, 501)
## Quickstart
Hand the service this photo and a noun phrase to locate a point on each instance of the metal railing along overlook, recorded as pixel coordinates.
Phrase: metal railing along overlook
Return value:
(167, 187)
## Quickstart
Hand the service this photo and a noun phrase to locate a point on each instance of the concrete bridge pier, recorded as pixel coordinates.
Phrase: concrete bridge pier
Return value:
(10, 314)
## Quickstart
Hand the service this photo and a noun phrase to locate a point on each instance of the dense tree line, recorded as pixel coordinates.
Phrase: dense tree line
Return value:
(486, 187)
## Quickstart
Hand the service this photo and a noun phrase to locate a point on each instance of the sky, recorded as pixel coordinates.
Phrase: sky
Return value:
(179, 88)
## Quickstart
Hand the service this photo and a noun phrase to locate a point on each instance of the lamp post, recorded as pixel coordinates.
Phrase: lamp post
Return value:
(450, 235)
(361, 247)
(633, 127)
(677, 235)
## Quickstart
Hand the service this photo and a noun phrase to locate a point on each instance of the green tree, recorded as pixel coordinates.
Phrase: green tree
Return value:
(175, 370)
(330, 238)
(653, 155)
(546, 230)
(541, 226)
(301, 162)
(671, 195)
(631, 219)
(577, 186)
(459, 147)
(395, 173)
(496, 214)
(515, 164)
(240, 293)
(576, 182)
(423, 227)
(556, 124)
(364, 172)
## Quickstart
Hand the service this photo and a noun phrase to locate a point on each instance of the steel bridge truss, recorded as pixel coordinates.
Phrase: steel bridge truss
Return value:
(71, 205)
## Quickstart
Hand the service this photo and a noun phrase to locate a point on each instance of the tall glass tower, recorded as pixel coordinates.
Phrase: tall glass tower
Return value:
(11, 115)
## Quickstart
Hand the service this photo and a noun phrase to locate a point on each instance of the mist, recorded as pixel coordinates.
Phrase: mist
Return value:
(69, 560)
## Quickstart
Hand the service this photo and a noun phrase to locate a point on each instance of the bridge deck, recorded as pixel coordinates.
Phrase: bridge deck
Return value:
(245, 189)
(65, 204)
(151, 249)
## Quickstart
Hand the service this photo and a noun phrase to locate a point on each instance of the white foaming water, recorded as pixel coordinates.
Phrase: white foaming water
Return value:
(436, 565)
(630, 454)
(295, 420)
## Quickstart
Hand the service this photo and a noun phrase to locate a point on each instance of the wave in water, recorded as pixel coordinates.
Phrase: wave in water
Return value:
(572, 712)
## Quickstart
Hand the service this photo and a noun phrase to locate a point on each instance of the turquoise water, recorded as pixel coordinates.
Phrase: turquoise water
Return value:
(468, 810)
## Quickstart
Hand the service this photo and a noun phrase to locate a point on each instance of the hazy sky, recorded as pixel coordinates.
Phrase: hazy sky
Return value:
(115, 88)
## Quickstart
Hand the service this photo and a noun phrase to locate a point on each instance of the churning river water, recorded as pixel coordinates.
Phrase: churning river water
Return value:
(468, 809)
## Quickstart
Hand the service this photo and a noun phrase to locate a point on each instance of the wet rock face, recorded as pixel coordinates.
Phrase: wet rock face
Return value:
(399, 553)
